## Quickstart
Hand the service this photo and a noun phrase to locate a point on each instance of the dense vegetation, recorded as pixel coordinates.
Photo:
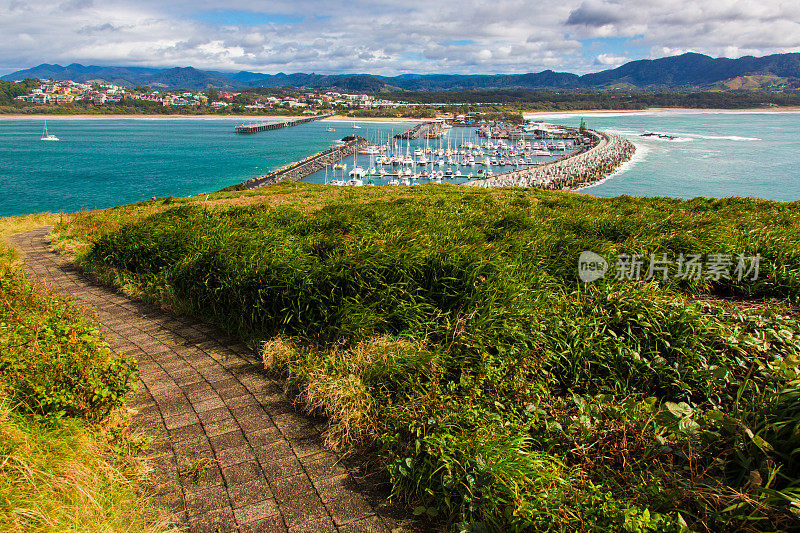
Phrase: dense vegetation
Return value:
(66, 461)
(445, 330)
(138, 107)
(10, 90)
(622, 99)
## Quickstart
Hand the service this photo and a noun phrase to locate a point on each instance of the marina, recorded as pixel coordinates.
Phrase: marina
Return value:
(102, 162)
(467, 154)
(307, 166)
(584, 167)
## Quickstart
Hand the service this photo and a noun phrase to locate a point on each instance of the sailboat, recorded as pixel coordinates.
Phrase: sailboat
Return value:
(46, 136)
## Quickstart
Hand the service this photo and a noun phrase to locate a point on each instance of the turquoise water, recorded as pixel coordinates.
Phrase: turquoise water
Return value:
(715, 154)
(105, 162)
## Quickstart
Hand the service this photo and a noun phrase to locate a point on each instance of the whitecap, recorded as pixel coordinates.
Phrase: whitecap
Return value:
(638, 156)
(721, 137)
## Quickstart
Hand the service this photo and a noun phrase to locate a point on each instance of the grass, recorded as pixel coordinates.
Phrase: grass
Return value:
(446, 331)
(59, 477)
(67, 462)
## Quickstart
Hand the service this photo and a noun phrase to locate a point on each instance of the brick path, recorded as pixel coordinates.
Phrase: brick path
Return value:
(230, 453)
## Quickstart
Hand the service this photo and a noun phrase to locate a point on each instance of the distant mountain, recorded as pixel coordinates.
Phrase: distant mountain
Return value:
(188, 78)
(693, 70)
(124, 76)
(452, 82)
(688, 70)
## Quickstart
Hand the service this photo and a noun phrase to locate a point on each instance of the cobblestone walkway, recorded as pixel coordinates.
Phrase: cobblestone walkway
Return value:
(230, 453)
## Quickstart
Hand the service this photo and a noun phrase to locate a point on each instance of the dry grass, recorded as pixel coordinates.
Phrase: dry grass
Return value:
(336, 383)
(11, 225)
(63, 479)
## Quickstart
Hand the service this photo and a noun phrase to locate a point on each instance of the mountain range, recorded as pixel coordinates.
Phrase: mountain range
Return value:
(686, 71)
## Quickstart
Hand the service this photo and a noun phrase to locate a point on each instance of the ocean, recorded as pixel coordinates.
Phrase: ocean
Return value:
(111, 161)
(713, 154)
(108, 161)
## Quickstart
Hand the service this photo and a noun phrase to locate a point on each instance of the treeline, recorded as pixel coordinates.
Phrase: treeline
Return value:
(396, 112)
(11, 89)
(138, 107)
(570, 100)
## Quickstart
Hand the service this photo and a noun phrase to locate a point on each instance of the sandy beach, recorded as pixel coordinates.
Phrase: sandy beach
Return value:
(253, 118)
(784, 109)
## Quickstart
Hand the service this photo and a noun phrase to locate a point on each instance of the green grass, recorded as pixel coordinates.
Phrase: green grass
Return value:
(67, 462)
(445, 329)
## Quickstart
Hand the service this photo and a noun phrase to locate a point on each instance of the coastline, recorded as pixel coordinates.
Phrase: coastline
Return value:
(254, 118)
(655, 110)
(638, 156)
(343, 118)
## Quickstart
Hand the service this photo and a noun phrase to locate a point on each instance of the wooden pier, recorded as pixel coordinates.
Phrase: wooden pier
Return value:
(269, 126)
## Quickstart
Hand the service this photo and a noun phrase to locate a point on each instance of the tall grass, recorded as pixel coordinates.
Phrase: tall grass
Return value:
(63, 459)
(447, 331)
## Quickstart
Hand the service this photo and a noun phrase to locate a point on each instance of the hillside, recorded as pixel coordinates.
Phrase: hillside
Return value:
(686, 71)
(444, 331)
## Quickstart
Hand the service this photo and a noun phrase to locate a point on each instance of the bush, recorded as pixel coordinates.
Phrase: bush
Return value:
(446, 330)
(53, 362)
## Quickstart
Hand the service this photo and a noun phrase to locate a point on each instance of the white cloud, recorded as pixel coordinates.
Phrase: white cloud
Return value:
(611, 60)
(386, 37)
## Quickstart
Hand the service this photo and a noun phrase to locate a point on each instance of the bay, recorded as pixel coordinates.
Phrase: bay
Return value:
(112, 161)
(714, 154)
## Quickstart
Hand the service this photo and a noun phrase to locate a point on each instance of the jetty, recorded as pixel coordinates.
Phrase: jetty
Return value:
(305, 167)
(417, 131)
(594, 161)
(269, 126)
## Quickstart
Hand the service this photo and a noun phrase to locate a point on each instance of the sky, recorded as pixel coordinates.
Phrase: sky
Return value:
(389, 37)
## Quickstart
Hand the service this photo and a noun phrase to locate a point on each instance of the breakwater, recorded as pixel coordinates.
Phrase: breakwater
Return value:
(269, 126)
(314, 163)
(416, 131)
(583, 167)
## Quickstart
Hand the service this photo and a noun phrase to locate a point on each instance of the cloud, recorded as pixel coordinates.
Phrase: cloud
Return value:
(387, 37)
(595, 14)
(611, 60)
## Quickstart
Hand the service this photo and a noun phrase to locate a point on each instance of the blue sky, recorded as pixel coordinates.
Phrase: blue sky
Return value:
(226, 17)
(388, 37)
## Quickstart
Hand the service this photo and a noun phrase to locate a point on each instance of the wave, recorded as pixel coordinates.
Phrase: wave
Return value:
(638, 156)
(721, 137)
(682, 137)
(638, 136)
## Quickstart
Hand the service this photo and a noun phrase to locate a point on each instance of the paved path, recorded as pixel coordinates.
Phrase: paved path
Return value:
(230, 453)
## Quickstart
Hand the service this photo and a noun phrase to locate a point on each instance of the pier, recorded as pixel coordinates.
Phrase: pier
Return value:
(588, 165)
(416, 131)
(305, 167)
(269, 126)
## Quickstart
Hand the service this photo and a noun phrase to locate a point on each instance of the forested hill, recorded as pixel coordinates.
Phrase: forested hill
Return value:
(687, 71)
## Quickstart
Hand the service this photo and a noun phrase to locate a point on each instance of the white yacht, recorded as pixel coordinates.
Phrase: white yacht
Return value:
(357, 173)
(48, 136)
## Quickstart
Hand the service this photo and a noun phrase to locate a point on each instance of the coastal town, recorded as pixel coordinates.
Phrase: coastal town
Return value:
(101, 93)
